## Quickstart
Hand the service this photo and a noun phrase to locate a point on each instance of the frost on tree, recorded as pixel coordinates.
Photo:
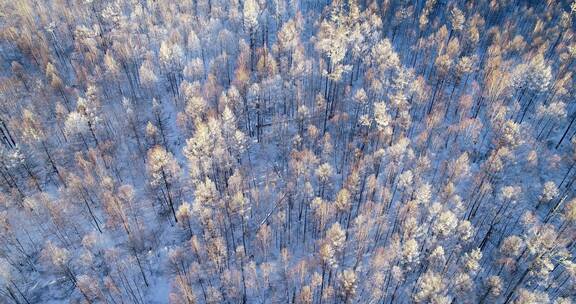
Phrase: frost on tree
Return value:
(287, 151)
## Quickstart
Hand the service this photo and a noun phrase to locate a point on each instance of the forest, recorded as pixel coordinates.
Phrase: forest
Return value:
(287, 151)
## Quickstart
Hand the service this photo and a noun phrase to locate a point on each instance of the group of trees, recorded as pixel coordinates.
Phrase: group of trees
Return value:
(287, 151)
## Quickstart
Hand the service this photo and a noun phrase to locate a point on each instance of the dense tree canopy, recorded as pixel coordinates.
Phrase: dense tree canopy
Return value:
(287, 151)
